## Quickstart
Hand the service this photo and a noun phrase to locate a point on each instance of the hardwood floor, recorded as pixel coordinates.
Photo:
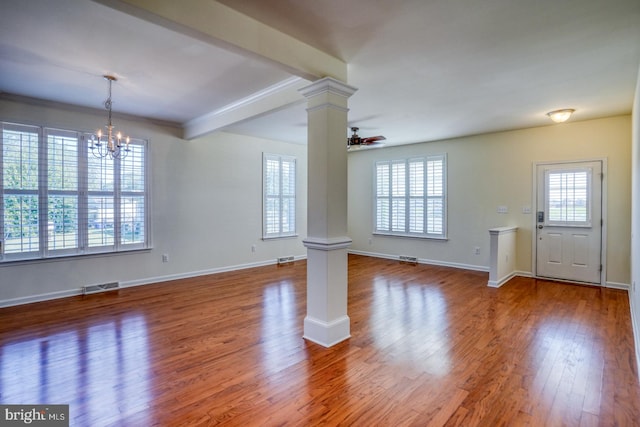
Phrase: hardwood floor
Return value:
(430, 346)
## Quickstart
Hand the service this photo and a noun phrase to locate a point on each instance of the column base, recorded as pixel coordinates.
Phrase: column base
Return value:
(327, 334)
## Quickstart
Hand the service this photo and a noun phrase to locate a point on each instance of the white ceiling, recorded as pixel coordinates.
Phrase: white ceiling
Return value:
(424, 69)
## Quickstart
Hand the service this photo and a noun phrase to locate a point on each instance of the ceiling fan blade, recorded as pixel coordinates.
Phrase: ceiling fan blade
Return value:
(372, 139)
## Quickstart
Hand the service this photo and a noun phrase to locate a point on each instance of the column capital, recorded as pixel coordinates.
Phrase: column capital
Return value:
(327, 84)
(329, 244)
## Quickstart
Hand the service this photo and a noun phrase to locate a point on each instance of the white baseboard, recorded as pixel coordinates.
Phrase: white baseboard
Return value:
(138, 282)
(635, 327)
(523, 273)
(189, 274)
(517, 273)
(425, 261)
(327, 334)
(612, 285)
(41, 297)
(150, 280)
(498, 283)
(617, 285)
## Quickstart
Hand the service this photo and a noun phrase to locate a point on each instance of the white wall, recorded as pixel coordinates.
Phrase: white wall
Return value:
(206, 209)
(487, 171)
(634, 293)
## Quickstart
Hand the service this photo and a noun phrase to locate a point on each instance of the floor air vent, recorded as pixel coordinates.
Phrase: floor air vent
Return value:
(103, 287)
(285, 259)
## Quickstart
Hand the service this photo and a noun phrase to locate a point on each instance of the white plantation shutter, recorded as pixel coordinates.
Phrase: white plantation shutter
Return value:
(568, 197)
(279, 195)
(19, 202)
(383, 191)
(411, 197)
(100, 202)
(57, 199)
(62, 192)
(133, 206)
(416, 197)
(398, 193)
(435, 196)
(117, 207)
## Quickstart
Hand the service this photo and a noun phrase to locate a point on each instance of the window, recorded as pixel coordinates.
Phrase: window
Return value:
(279, 196)
(568, 197)
(410, 197)
(57, 199)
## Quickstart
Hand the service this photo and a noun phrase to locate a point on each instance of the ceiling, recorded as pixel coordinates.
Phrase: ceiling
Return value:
(425, 69)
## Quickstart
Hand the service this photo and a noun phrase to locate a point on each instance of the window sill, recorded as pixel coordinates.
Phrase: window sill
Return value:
(410, 236)
(288, 236)
(74, 257)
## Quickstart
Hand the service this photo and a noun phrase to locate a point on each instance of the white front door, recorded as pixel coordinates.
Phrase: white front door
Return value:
(569, 221)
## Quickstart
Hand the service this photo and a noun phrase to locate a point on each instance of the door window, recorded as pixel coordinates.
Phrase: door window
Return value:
(568, 197)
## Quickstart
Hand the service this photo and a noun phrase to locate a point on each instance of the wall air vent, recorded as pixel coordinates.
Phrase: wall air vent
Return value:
(408, 259)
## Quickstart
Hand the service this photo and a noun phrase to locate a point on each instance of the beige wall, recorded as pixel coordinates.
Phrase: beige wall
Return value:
(206, 201)
(634, 293)
(491, 170)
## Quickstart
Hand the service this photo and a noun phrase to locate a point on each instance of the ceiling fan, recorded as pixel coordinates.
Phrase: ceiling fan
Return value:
(355, 141)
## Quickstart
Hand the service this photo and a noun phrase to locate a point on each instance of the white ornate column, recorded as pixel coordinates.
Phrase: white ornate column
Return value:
(327, 322)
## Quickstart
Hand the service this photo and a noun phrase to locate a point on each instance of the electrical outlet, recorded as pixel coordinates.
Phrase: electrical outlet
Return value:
(253, 248)
(476, 250)
(165, 257)
(502, 209)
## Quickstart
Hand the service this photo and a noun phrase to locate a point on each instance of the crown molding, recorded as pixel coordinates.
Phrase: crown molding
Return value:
(6, 96)
(328, 84)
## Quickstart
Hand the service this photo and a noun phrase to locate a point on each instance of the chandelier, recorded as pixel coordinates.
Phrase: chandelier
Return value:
(109, 143)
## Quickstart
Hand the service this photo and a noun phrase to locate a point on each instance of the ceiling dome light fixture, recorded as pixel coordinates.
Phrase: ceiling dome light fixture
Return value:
(110, 143)
(560, 116)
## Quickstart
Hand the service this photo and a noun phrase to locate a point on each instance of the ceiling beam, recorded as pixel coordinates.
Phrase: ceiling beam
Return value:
(222, 26)
(271, 99)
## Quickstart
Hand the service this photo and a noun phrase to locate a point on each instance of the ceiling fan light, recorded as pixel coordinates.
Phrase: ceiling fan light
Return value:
(560, 116)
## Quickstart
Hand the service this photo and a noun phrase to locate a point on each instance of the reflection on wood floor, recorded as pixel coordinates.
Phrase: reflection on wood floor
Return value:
(430, 346)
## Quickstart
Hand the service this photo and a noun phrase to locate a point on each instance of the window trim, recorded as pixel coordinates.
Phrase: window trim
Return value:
(280, 158)
(44, 193)
(407, 197)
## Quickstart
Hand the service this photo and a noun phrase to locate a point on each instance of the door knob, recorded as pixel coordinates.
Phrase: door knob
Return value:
(541, 227)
